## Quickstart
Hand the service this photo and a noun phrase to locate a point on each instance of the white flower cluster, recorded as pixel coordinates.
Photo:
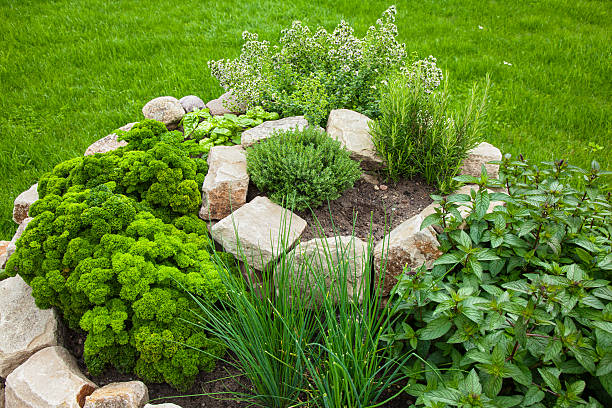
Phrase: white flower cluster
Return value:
(427, 71)
(263, 72)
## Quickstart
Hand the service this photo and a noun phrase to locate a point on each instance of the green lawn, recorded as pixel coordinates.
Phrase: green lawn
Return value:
(72, 71)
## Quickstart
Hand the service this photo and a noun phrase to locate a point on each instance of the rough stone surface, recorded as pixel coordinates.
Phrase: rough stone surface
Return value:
(166, 405)
(313, 259)
(48, 379)
(165, 109)
(3, 252)
(106, 144)
(24, 328)
(258, 225)
(481, 154)
(191, 103)
(226, 184)
(132, 394)
(22, 203)
(404, 245)
(11, 247)
(351, 129)
(265, 130)
(219, 106)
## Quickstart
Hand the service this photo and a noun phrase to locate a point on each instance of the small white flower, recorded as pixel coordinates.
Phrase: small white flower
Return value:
(507, 63)
(481, 27)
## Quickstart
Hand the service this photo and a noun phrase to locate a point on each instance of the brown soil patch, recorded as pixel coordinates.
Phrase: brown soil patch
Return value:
(366, 209)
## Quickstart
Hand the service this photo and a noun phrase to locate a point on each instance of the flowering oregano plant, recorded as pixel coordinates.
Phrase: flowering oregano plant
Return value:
(311, 72)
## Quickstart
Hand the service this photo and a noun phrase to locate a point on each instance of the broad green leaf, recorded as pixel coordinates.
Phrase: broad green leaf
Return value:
(487, 255)
(507, 402)
(467, 179)
(481, 203)
(533, 396)
(472, 383)
(512, 371)
(431, 220)
(605, 365)
(606, 326)
(446, 395)
(458, 198)
(551, 378)
(492, 385)
(606, 382)
(435, 329)
(451, 258)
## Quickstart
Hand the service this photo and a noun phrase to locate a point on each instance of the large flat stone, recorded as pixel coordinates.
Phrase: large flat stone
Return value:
(253, 232)
(22, 203)
(351, 129)
(24, 328)
(482, 154)
(331, 262)
(405, 246)
(165, 109)
(226, 184)
(109, 143)
(49, 379)
(266, 129)
(132, 394)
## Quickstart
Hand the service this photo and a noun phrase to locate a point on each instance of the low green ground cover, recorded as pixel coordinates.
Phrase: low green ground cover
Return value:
(72, 71)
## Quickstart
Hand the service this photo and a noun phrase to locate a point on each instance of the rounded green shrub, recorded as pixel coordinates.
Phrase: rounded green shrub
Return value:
(120, 274)
(301, 168)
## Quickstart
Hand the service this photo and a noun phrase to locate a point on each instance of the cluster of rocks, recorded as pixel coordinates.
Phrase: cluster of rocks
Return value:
(40, 373)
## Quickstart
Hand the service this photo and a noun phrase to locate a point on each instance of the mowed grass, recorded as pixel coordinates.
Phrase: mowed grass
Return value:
(72, 71)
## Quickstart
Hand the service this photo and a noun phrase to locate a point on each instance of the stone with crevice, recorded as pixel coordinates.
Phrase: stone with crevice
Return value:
(405, 246)
(131, 394)
(352, 130)
(24, 328)
(482, 154)
(226, 103)
(50, 378)
(191, 103)
(253, 232)
(226, 184)
(21, 205)
(266, 129)
(324, 266)
(165, 109)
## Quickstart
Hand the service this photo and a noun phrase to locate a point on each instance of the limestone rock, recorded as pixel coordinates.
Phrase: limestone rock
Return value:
(48, 379)
(226, 184)
(351, 129)
(191, 103)
(166, 405)
(24, 328)
(481, 154)
(12, 247)
(404, 245)
(22, 203)
(132, 394)
(312, 266)
(106, 144)
(226, 103)
(165, 109)
(258, 227)
(265, 130)
(3, 255)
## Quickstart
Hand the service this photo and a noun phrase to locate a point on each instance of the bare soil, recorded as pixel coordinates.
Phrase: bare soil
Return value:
(370, 208)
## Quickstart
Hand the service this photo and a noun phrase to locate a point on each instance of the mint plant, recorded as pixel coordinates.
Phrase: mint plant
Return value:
(517, 311)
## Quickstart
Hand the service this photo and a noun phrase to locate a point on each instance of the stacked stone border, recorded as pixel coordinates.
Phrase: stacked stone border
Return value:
(39, 373)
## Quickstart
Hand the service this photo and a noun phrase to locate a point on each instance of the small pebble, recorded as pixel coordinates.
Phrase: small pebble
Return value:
(383, 187)
(376, 188)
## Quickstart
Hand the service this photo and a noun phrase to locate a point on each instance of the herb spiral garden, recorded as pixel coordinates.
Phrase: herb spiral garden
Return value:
(431, 270)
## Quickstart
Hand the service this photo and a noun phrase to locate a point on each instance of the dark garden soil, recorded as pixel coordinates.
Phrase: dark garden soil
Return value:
(368, 207)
